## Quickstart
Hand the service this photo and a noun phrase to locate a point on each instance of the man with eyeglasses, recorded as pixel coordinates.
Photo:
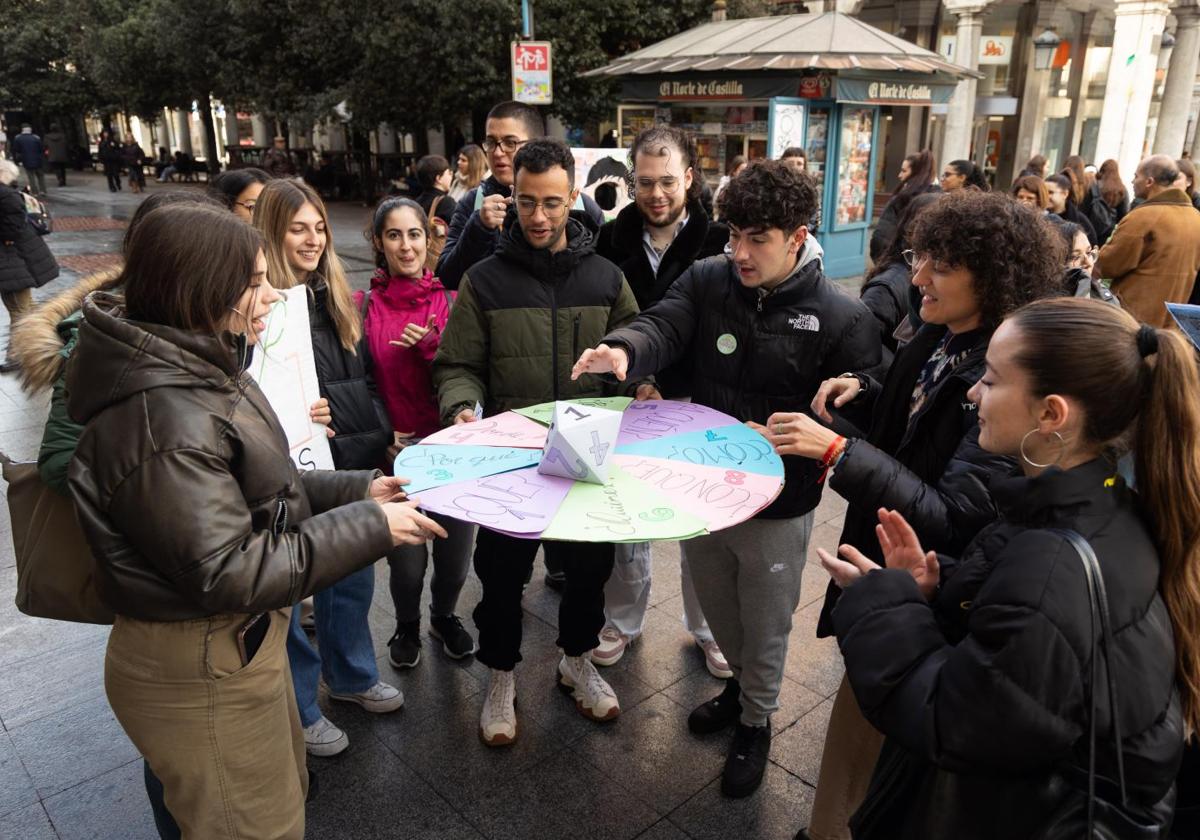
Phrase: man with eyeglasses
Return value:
(520, 320)
(480, 214)
(653, 241)
(762, 328)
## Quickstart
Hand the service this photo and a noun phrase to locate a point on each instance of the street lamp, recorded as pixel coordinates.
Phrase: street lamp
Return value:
(1044, 48)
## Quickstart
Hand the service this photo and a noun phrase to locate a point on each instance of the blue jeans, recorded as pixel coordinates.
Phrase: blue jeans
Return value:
(347, 656)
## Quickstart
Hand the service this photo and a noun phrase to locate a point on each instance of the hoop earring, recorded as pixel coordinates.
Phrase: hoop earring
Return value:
(1062, 449)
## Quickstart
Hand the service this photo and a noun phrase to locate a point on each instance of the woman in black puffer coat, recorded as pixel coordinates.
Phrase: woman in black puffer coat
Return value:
(25, 261)
(299, 250)
(985, 693)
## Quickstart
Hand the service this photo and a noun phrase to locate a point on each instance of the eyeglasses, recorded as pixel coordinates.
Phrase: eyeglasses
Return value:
(554, 207)
(508, 145)
(912, 259)
(249, 205)
(669, 185)
(1085, 256)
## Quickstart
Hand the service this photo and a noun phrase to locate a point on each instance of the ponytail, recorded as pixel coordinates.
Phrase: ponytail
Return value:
(1140, 389)
(1167, 455)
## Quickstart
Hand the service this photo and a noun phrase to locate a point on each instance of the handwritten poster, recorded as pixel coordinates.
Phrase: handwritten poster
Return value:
(284, 368)
(735, 447)
(523, 502)
(428, 466)
(507, 429)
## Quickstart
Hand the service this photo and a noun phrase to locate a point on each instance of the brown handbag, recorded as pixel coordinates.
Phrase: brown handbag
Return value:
(55, 567)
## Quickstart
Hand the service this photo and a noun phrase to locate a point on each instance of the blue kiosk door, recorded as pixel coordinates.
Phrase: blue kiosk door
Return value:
(849, 189)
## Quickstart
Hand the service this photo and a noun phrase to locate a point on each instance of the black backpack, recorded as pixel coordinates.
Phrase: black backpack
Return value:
(1100, 214)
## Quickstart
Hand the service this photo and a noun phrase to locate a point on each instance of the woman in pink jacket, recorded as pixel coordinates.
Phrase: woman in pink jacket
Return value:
(404, 314)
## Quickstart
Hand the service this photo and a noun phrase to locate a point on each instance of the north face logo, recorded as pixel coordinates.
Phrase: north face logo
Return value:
(805, 322)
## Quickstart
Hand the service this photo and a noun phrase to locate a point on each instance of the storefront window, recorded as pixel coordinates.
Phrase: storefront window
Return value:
(854, 162)
(817, 146)
(633, 121)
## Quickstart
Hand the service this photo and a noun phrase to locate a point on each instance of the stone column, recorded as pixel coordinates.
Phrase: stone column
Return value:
(183, 131)
(262, 131)
(1181, 78)
(1130, 87)
(960, 118)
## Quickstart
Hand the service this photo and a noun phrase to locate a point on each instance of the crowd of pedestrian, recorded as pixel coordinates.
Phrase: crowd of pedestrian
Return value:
(1007, 408)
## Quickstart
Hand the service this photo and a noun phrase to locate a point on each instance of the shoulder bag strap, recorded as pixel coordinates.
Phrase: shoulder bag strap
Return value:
(1098, 598)
(362, 305)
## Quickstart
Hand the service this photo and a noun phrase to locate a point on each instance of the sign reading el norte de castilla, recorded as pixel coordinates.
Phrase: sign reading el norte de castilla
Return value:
(702, 90)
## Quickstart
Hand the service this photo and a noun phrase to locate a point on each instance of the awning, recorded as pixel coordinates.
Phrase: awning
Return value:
(828, 41)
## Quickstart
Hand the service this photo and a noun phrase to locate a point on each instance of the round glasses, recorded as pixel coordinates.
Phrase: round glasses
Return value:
(553, 207)
(645, 186)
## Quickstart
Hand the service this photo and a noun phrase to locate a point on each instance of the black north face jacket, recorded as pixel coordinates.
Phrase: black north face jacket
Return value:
(752, 355)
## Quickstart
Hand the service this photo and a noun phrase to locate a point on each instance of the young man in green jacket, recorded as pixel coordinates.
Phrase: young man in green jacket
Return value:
(521, 319)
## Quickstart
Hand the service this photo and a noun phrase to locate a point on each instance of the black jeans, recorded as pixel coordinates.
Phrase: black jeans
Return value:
(113, 174)
(60, 172)
(502, 563)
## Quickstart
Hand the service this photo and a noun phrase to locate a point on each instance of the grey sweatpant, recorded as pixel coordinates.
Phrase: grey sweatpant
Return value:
(748, 581)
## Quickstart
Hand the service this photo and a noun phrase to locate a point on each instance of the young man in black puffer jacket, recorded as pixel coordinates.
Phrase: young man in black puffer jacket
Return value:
(763, 327)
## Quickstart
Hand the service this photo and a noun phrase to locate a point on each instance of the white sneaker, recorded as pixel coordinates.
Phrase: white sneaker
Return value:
(324, 739)
(593, 696)
(612, 646)
(379, 698)
(718, 666)
(498, 720)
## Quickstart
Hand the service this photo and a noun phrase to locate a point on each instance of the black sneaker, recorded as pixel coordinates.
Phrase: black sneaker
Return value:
(456, 641)
(719, 712)
(747, 760)
(404, 648)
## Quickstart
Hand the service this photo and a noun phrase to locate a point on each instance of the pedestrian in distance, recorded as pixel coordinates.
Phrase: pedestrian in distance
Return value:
(1036, 166)
(1153, 255)
(111, 157)
(470, 169)
(654, 241)
(762, 327)
(975, 258)
(1188, 172)
(238, 189)
(30, 154)
(1060, 195)
(916, 178)
(1107, 200)
(25, 261)
(278, 160)
(58, 152)
(481, 213)
(133, 157)
(300, 253)
(404, 316)
(1010, 710)
(796, 157)
(220, 729)
(1030, 190)
(543, 289)
(963, 174)
(433, 173)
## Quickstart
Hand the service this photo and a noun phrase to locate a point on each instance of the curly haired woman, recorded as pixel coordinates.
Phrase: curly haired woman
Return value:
(975, 257)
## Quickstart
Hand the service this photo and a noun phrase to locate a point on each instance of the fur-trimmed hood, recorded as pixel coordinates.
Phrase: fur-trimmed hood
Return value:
(37, 342)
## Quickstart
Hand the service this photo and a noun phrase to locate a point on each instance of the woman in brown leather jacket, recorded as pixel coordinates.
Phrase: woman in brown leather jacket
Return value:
(202, 529)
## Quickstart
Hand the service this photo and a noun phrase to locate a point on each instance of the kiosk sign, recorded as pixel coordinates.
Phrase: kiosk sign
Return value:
(531, 72)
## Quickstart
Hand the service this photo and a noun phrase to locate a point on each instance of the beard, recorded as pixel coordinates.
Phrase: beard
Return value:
(673, 216)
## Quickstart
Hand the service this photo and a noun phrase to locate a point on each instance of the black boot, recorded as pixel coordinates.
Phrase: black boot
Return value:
(717, 713)
(747, 760)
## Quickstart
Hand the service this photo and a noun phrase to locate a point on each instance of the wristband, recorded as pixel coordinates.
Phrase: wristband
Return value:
(832, 455)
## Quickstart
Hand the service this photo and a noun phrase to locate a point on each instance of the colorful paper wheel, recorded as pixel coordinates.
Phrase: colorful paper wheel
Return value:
(679, 470)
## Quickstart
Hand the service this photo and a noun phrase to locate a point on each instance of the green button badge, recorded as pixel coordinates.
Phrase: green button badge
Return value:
(726, 343)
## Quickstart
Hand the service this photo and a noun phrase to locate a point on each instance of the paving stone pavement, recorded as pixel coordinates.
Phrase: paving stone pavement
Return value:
(68, 771)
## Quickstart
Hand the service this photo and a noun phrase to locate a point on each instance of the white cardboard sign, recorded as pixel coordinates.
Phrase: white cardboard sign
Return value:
(285, 370)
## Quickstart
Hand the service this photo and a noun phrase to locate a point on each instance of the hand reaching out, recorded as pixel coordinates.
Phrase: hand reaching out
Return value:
(602, 359)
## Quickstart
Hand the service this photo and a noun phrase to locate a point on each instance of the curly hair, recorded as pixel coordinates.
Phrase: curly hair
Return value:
(659, 141)
(769, 194)
(541, 155)
(1013, 253)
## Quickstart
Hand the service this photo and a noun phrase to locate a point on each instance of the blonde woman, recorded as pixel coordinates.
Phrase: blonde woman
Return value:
(470, 170)
(299, 251)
